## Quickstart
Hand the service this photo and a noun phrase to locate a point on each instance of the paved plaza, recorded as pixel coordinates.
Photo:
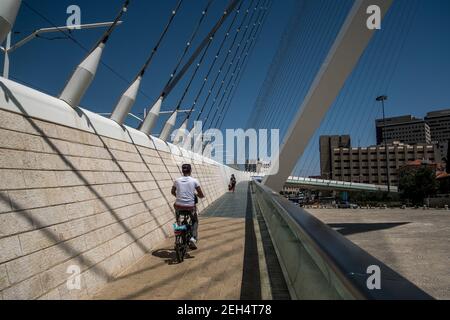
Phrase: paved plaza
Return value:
(415, 243)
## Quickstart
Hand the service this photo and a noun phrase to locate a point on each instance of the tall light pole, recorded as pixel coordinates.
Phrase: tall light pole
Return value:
(382, 99)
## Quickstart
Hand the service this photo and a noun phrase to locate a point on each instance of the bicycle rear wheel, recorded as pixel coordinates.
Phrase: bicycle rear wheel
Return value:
(180, 255)
(179, 249)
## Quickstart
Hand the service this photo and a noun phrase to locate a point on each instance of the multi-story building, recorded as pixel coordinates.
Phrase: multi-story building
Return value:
(409, 139)
(369, 165)
(406, 129)
(257, 166)
(439, 123)
(327, 145)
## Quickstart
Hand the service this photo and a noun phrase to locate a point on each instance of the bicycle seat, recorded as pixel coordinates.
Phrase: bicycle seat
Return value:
(187, 208)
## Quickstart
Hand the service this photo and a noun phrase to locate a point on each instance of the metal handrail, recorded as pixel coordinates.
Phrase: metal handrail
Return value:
(340, 265)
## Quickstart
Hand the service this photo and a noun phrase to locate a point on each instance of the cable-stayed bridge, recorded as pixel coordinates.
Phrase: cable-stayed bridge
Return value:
(85, 201)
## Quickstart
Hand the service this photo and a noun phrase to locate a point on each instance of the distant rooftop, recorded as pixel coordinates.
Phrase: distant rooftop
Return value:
(436, 114)
(398, 120)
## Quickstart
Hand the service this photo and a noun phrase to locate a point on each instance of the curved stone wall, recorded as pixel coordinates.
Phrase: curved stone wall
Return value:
(79, 191)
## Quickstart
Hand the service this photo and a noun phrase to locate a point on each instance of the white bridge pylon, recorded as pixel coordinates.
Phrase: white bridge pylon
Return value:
(343, 57)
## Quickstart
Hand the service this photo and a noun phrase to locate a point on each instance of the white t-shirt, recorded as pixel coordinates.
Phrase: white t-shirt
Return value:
(186, 187)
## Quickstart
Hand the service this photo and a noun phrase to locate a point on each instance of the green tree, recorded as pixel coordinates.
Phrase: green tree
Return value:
(417, 184)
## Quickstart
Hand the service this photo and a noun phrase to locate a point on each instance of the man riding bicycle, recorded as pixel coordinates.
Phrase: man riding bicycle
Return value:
(184, 190)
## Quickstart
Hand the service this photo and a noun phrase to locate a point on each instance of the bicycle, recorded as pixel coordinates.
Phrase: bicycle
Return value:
(183, 233)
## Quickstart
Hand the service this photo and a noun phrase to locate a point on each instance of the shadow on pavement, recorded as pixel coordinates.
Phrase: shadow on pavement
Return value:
(347, 229)
(169, 256)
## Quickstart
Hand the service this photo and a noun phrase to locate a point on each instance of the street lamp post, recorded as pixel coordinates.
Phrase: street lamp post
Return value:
(382, 99)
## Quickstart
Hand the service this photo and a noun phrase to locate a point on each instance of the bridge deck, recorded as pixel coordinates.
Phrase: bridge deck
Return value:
(226, 266)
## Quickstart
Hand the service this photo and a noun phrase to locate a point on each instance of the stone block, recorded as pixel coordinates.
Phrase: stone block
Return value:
(25, 267)
(48, 216)
(9, 248)
(43, 161)
(12, 159)
(76, 294)
(94, 281)
(40, 179)
(26, 290)
(11, 179)
(13, 223)
(148, 152)
(80, 209)
(59, 147)
(11, 140)
(126, 257)
(69, 178)
(133, 166)
(11, 121)
(4, 281)
(152, 160)
(126, 156)
(95, 255)
(5, 203)
(51, 296)
(40, 239)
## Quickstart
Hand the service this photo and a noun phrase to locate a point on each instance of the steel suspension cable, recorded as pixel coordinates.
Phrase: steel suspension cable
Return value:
(80, 45)
(396, 59)
(189, 42)
(161, 38)
(284, 69)
(229, 51)
(239, 64)
(255, 39)
(273, 95)
(306, 77)
(194, 74)
(173, 83)
(232, 94)
(213, 64)
(374, 72)
(232, 62)
(330, 27)
(128, 98)
(110, 30)
(371, 69)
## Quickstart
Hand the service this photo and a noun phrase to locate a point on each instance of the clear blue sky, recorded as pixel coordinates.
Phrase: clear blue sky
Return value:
(47, 64)
(408, 60)
(417, 80)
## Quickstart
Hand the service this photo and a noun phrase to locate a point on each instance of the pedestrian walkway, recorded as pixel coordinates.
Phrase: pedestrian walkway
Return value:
(226, 265)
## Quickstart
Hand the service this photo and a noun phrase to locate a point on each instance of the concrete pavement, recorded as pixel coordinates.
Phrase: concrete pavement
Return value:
(415, 243)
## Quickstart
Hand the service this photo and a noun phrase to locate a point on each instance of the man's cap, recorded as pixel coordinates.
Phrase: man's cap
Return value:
(186, 168)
